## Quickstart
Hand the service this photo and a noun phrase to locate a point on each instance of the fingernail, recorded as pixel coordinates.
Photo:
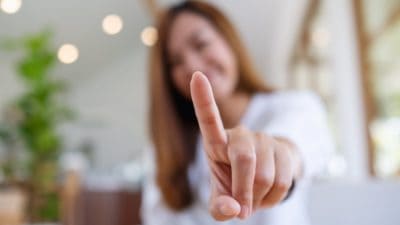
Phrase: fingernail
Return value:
(245, 211)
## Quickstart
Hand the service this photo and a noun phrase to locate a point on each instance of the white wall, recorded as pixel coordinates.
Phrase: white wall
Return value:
(270, 43)
(112, 107)
(10, 85)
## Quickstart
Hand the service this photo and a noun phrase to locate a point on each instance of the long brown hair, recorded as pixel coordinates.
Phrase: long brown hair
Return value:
(173, 124)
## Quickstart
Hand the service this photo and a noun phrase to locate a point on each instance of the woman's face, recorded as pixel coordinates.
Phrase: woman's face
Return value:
(195, 45)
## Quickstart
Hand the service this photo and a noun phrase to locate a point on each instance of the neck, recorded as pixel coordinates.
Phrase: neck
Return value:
(233, 108)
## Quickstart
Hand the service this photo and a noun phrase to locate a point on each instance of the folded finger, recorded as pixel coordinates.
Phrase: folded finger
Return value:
(242, 156)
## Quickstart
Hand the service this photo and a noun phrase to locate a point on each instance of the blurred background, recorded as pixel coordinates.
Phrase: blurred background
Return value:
(73, 102)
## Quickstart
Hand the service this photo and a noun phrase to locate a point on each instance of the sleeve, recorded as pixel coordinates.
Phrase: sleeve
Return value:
(154, 211)
(302, 119)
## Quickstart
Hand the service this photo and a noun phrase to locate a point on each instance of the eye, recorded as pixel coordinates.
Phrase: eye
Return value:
(200, 45)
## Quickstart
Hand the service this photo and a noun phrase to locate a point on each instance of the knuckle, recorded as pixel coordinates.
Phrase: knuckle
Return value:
(209, 120)
(245, 157)
(264, 139)
(268, 140)
(205, 103)
(264, 181)
(282, 185)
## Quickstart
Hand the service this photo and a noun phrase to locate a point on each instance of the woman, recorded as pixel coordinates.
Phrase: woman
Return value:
(226, 146)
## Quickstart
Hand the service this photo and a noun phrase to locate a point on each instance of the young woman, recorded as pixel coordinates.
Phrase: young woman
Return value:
(226, 147)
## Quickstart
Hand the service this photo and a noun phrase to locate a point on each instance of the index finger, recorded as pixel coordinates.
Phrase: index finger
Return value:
(206, 109)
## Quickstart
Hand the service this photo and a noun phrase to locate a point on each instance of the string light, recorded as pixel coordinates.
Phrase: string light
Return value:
(10, 6)
(149, 36)
(112, 24)
(320, 37)
(68, 53)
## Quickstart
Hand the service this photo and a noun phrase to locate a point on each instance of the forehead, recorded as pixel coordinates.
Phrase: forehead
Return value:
(185, 26)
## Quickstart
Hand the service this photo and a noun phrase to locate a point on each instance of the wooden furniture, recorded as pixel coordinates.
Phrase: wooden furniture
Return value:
(108, 208)
(12, 207)
(96, 205)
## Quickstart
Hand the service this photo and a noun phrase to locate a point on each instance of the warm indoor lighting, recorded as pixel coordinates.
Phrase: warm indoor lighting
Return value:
(68, 53)
(112, 24)
(149, 36)
(320, 37)
(10, 6)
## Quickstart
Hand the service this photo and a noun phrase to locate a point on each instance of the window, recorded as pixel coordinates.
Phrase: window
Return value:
(377, 35)
(382, 22)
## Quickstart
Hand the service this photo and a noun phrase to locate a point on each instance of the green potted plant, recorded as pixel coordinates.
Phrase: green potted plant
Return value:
(31, 123)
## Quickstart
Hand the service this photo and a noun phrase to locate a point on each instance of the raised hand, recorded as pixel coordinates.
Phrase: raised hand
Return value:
(249, 170)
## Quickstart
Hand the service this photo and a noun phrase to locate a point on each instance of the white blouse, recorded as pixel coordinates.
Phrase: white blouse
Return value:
(297, 116)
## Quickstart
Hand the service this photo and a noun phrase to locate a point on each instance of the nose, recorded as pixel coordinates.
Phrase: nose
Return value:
(193, 63)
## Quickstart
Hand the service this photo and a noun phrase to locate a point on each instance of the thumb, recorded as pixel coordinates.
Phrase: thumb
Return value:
(223, 206)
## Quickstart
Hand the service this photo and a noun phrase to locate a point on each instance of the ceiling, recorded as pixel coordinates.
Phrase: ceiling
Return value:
(79, 22)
